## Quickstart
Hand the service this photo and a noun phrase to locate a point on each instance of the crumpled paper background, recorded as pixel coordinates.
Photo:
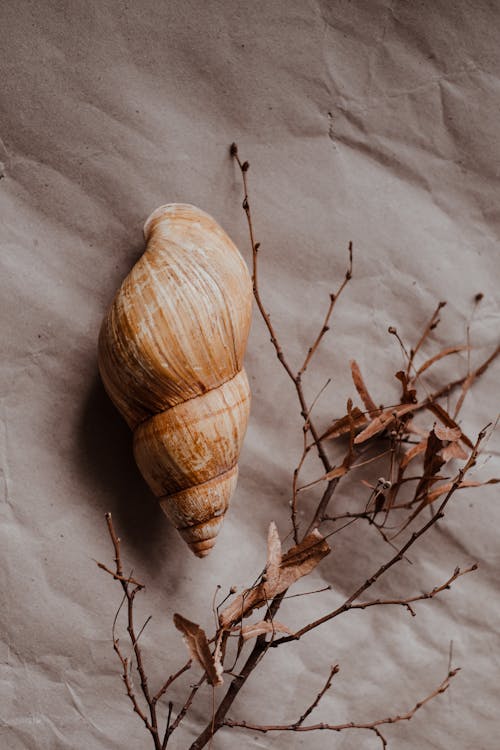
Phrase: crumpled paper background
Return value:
(373, 122)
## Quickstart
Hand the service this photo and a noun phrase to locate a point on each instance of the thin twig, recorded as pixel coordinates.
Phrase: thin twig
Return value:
(129, 688)
(325, 327)
(333, 671)
(130, 588)
(429, 327)
(170, 680)
(118, 577)
(457, 573)
(371, 726)
(308, 593)
(306, 447)
(185, 708)
(295, 378)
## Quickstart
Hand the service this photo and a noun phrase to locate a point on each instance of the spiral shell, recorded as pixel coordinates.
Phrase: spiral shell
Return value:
(171, 351)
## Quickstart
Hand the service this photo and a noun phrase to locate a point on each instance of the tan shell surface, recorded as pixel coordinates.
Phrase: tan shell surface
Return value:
(171, 353)
(190, 509)
(179, 323)
(194, 441)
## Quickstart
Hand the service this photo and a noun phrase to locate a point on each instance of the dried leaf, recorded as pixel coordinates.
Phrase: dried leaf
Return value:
(432, 463)
(415, 451)
(447, 433)
(302, 559)
(367, 484)
(383, 420)
(343, 425)
(453, 450)
(219, 669)
(197, 644)
(445, 488)
(273, 556)
(443, 353)
(259, 628)
(445, 418)
(361, 388)
(439, 492)
(336, 473)
(296, 563)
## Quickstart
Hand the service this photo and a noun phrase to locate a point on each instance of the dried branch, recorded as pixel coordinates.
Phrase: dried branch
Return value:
(185, 708)
(296, 378)
(333, 671)
(371, 726)
(464, 381)
(118, 577)
(325, 326)
(130, 690)
(457, 573)
(431, 325)
(131, 587)
(378, 434)
(170, 680)
(306, 447)
(444, 353)
(396, 558)
(129, 593)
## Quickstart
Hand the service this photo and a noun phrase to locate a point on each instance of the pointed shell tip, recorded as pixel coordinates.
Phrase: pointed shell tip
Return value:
(202, 549)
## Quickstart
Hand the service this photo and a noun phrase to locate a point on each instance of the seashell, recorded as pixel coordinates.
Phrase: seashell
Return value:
(171, 351)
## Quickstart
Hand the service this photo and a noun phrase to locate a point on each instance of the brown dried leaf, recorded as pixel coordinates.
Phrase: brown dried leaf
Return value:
(335, 473)
(302, 559)
(273, 556)
(361, 388)
(259, 628)
(415, 451)
(443, 353)
(343, 425)
(445, 418)
(447, 433)
(219, 669)
(383, 420)
(367, 484)
(445, 488)
(453, 450)
(197, 644)
(432, 463)
(296, 563)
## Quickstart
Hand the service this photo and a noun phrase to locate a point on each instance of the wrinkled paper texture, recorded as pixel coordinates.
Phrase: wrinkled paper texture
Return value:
(375, 122)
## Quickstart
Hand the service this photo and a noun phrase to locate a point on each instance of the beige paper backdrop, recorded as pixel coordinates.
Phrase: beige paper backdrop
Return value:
(371, 121)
